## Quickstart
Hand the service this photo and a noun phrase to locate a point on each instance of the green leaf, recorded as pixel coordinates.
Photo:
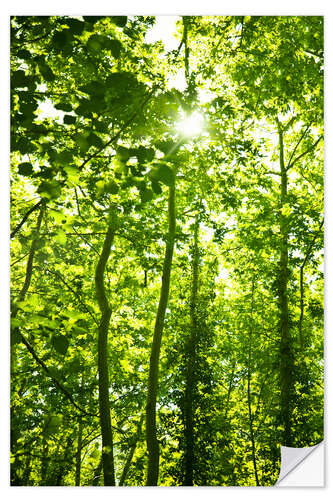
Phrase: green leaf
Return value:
(156, 187)
(162, 173)
(50, 189)
(119, 166)
(112, 187)
(76, 315)
(119, 21)
(76, 26)
(94, 88)
(126, 366)
(23, 54)
(46, 172)
(25, 169)
(146, 195)
(73, 173)
(115, 47)
(144, 154)
(83, 110)
(122, 80)
(95, 140)
(166, 146)
(95, 454)
(96, 42)
(82, 141)
(100, 187)
(123, 153)
(15, 337)
(61, 237)
(20, 79)
(52, 424)
(69, 119)
(63, 106)
(46, 72)
(60, 39)
(76, 366)
(60, 343)
(92, 19)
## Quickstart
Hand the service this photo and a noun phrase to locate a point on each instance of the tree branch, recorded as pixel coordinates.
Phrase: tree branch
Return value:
(298, 143)
(120, 131)
(56, 273)
(308, 150)
(25, 217)
(54, 380)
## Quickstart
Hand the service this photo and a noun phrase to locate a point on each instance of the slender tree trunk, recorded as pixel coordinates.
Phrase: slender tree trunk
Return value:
(301, 314)
(191, 358)
(231, 381)
(152, 442)
(44, 463)
(27, 471)
(286, 358)
(14, 310)
(301, 286)
(29, 269)
(103, 371)
(131, 453)
(78, 454)
(249, 368)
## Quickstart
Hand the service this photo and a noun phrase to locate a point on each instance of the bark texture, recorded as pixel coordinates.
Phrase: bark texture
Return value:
(286, 356)
(103, 370)
(131, 452)
(78, 454)
(151, 437)
(190, 368)
(249, 404)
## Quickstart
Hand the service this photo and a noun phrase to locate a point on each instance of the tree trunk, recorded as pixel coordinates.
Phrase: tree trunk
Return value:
(191, 356)
(27, 471)
(301, 287)
(286, 358)
(152, 442)
(249, 368)
(103, 372)
(131, 453)
(44, 463)
(28, 276)
(231, 381)
(78, 454)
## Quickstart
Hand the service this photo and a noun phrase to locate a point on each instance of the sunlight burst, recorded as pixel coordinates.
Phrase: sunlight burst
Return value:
(191, 125)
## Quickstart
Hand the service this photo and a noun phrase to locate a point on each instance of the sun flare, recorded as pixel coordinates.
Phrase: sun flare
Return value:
(191, 125)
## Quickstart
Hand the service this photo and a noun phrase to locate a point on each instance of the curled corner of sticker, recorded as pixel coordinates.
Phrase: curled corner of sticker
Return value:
(302, 466)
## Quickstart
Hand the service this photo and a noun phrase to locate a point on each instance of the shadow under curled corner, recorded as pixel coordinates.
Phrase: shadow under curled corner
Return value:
(302, 466)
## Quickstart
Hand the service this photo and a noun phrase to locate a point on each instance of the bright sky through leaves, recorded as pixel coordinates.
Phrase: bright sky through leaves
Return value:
(191, 125)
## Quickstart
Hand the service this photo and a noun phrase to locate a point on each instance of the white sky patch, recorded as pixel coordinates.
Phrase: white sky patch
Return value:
(207, 234)
(205, 95)
(223, 274)
(46, 110)
(177, 81)
(163, 30)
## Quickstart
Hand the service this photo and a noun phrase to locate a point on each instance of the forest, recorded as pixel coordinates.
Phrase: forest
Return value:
(166, 248)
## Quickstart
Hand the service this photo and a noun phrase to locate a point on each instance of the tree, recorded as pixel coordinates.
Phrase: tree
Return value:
(166, 249)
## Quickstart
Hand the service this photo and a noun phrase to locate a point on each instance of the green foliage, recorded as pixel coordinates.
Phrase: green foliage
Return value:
(105, 153)
(162, 173)
(60, 343)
